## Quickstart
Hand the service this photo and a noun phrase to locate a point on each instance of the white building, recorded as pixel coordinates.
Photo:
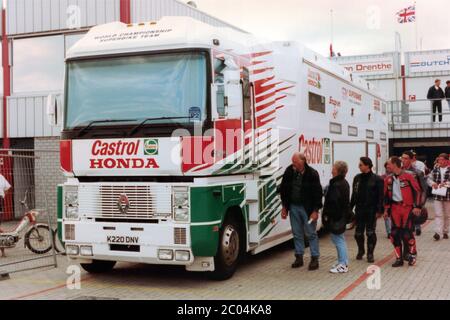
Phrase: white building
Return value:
(407, 86)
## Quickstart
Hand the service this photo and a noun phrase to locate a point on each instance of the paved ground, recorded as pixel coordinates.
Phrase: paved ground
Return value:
(266, 276)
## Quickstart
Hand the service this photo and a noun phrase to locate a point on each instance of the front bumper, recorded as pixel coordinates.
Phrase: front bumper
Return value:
(146, 241)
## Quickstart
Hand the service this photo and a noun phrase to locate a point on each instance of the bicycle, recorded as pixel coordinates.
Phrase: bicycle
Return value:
(37, 236)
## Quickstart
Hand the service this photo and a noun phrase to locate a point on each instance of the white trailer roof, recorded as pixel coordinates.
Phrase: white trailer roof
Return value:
(186, 32)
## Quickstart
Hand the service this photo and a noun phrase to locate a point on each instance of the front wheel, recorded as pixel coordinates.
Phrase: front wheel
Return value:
(39, 239)
(98, 266)
(229, 251)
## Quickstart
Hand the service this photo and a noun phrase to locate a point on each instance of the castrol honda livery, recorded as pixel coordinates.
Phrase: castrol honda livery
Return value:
(176, 134)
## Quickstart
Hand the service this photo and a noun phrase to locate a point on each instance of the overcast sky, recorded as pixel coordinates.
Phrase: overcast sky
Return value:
(360, 27)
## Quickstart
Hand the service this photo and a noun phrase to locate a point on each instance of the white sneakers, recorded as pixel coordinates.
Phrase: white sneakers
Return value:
(339, 268)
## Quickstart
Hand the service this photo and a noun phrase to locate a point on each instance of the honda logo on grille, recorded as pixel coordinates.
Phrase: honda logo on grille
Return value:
(123, 204)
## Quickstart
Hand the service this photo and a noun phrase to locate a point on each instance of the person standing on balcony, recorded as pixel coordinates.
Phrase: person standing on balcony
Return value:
(447, 93)
(436, 94)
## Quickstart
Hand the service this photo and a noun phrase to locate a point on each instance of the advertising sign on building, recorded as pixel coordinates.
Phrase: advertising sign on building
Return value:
(429, 62)
(370, 66)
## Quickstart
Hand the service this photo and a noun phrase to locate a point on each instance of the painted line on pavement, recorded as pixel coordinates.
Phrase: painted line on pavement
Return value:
(87, 278)
(344, 293)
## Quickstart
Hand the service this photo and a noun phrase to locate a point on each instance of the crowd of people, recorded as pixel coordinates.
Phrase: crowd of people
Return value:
(399, 196)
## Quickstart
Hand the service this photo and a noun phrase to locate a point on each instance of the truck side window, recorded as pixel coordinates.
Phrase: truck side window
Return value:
(219, 65)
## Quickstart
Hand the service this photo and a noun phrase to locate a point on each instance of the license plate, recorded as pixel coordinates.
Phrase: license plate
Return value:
(122, 239)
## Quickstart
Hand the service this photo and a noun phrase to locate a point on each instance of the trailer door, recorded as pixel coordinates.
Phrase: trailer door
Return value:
(373, 155)
(350, 152)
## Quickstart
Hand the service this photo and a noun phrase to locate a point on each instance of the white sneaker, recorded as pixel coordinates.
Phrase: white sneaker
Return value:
(340, 268)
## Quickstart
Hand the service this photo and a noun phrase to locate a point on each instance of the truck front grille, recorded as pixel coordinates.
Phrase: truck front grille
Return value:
(116, 201)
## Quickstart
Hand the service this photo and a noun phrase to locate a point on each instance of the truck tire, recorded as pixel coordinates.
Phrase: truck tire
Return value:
(229, 251)
(98, 266)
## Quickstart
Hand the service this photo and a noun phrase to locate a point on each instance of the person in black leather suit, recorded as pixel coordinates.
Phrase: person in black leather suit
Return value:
(367, 200)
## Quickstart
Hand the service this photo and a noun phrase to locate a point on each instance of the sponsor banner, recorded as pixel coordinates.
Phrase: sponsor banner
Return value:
(351, 96)
(377, 105)
(371, 67)
(142, 156)
(314, 79)
(431, 62)
(316, 150)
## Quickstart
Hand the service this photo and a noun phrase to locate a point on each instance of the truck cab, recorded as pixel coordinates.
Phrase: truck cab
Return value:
(157, 144)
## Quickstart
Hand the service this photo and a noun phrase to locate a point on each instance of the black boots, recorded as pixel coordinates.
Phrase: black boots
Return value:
(371, 243)
(298, 261)
(398, 263)
(405, 252)
(314, 264)
(361, 250)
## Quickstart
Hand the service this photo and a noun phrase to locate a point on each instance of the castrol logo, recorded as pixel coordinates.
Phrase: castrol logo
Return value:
(124, 154)
(312, 149)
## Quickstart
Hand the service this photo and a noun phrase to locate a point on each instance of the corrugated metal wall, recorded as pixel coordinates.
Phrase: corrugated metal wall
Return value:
(34, 16)
(147, 10)
(27, 113)
(27, 117)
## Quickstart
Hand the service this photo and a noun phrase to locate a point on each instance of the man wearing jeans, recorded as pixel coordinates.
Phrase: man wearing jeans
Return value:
(301, 196)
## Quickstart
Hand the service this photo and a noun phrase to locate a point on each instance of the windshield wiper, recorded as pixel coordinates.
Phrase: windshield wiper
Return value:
(135, 129)
(85, 129)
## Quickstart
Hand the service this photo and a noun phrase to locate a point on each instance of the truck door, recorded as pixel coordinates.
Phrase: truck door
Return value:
(350, 152)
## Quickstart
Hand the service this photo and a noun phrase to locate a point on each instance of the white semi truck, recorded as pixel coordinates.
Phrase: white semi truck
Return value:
(175, 136)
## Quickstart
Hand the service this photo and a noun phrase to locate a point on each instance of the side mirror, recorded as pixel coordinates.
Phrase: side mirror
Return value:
(52, 110)
(233, 100)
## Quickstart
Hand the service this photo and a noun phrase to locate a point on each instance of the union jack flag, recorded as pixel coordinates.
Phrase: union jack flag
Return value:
(407, 15)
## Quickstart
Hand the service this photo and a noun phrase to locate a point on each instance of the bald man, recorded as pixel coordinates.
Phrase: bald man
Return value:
(301, 196)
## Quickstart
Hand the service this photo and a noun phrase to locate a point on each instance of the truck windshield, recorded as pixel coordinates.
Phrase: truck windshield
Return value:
(164, 86)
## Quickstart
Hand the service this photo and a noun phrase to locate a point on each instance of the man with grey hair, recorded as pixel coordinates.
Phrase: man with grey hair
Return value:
(301, 195)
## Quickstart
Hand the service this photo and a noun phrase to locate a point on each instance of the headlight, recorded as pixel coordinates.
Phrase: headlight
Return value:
(86, 251)
(71, 198)
(165, 254)
(180, 196)
(181, 214)
(72, 250)
(72, 213)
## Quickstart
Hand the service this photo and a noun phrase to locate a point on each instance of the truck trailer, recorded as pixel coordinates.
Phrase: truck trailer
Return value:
(176, 134)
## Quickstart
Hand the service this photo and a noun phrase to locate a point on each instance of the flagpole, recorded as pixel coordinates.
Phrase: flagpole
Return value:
(332, 33)
(417, 26)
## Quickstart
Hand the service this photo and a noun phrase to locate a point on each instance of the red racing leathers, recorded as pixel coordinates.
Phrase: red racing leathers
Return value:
(401, 212)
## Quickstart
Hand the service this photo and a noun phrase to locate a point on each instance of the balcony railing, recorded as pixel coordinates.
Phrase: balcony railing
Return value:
(416, 119)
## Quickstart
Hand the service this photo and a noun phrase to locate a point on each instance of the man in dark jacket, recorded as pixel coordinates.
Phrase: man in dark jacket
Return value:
(447, 93)
(367, 199)
(301, 196)
(436, 94)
